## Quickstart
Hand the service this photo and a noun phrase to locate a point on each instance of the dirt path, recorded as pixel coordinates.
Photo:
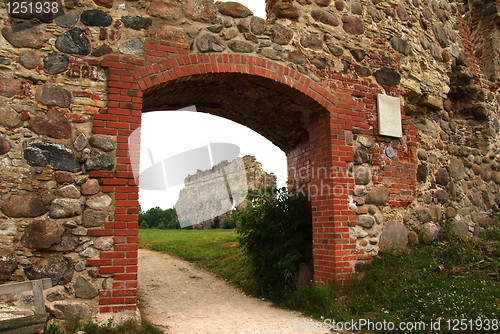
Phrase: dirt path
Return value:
(184, 299)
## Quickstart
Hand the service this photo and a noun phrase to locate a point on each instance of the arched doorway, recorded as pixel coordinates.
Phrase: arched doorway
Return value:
(290, 109)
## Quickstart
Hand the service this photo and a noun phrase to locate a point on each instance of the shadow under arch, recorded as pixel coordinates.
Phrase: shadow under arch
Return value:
(266, 96)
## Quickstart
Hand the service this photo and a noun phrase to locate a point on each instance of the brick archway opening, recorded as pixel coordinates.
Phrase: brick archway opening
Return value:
(297, 114)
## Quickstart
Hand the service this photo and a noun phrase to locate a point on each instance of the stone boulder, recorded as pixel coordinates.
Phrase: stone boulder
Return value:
(8, 265)
(102, 142)
(99, 202)
(200, 10)
(24, 205)
(378, 195)
(84, 289)
(233, 9)
(394, 237)
(55, 124)
(70, 310)
(93, 218)
(66, 208)
(9, 86)
(4, 145)
(210, 43)
(9, 118)
(99, 161)
(25, 35)
(73, 41)
(42, 234)
(59, 269)
(53, 96)
(428, 233)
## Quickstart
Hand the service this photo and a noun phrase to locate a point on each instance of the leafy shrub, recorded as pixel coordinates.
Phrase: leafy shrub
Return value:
(276, 232)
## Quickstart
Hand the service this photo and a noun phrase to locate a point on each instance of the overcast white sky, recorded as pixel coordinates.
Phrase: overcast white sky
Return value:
(168, 133)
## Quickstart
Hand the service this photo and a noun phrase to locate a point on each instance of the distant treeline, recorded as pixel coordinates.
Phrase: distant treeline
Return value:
(159, 218)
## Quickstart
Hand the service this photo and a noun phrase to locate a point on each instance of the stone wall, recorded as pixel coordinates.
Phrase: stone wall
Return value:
(73, 86)
(216, 192)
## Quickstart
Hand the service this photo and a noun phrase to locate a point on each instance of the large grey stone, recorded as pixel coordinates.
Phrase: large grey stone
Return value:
(442, 177)
(84, 289)
(53, 96)
(68, 243)
(400, 45)
(210, 43)
(102, 142)
(55, 63)
(29, 59)
(9, 86)
(200, 10)
(460, 228)
(422, 173)
(66, 208)
(55, 124)
(67, 20)
(136, 22)
(73, 41)
(42, 234)
(132, 47)
(424, 214)
(440, 34)
(324, 17)
(362, 175)
(99, 161)
(233, 9)
(378, 195)
(93, 218)
(281, 35)
(25, 35)
(57, 268)
(70, 310)
(428, 233)
(353, 25)
(99, 202)
(285, 10)
(441, 196)
(241, 46)
(96, 18)
(4, 145)
(69, 191)
(41, 153)
(9, 118)
(365, 221)
(394, 237)
(388, 77)
(24, 205)
(103, 243)
(456, 168)
(8, 265)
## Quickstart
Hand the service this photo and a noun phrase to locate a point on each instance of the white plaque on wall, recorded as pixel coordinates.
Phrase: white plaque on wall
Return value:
(389, 116)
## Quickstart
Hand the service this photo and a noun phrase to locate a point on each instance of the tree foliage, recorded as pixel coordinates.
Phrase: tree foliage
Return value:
(159, 218)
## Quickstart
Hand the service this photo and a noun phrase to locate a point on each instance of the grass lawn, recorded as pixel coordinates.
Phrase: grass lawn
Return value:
(451, 279)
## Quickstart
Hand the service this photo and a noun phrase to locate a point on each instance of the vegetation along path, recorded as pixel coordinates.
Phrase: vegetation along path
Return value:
(184, 299)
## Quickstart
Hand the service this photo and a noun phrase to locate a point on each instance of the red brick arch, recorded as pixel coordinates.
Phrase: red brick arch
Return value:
(325, 150)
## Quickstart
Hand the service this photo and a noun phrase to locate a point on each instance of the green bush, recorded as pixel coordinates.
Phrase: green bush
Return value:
(276, 232)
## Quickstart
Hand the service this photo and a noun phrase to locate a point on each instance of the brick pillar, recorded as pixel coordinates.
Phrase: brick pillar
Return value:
(121, 119)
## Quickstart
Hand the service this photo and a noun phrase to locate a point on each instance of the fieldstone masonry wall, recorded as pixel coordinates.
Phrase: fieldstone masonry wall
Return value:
(73, 85)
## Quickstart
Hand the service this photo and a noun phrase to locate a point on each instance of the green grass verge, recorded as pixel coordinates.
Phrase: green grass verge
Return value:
(451, 279)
